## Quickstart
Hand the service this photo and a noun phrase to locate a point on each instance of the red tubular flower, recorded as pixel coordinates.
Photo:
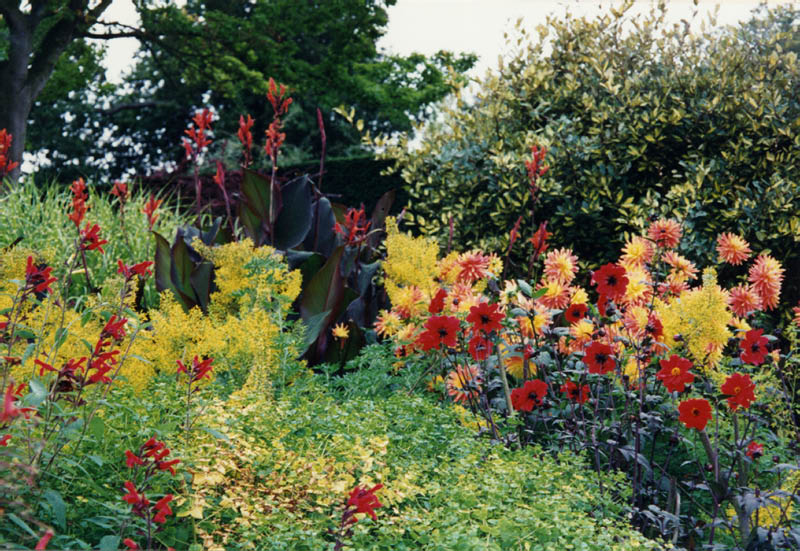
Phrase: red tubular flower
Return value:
(754, 450)
(754, 347)
(114, 328)
(539, 240)
(485, 317)
(599, 358)
(133, 496)
(514, 234)
(440, 330)
(120, 190)
(675, 373)
(39, 279)
(199, 370)
(740, 391)
(6, 165)
(611, 281)
(90, 239)
(355, 226)
(275, 97)
(480, 348)
(245, 136)
(530, 395)
(575, 313)
(150, 210)
(576, 393)
(44, 540)
(695, 413)
(131, 459)
(536, 168)
(365, 500)
(130, 544)
(162, 509)
(168, 465)
(141, 269)
(4, 440)
(10, 410)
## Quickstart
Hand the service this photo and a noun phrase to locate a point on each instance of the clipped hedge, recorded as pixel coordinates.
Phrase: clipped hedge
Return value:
(641, 120)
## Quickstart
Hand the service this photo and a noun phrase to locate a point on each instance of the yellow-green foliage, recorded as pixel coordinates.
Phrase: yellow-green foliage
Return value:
(280, 477)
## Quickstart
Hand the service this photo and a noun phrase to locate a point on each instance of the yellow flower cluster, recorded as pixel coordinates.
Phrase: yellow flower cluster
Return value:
(410, 261)
(701, 317)
(255, 290)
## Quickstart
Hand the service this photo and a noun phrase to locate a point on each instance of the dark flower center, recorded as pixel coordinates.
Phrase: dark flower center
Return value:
(600, 358)
(484, 319)
(696, 412)
(611, 281)
(442, 332)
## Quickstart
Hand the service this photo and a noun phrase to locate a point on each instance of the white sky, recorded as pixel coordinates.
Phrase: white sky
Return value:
(427, 26)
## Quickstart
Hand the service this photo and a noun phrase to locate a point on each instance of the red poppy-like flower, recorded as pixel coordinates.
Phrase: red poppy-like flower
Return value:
(575, 313)
(131, 459)
(90, 238)
(10, 410)
(754, 450)
(355, 226)
(480, 347)
(485, 317)
(39, 279)
(740, 391)
(199, 370)
(539, 240)
(611, 281)
(365, 501)
(130, 544)
(665, 232)
(575, 393)
(141, 269)
(41, 545)
(440, 330)
(675, 373)
(162, 509)
(754, 347)
(4, 440)
(530, 395)
(437, 302)
(599, 358)
(695, 413)
(150, 209)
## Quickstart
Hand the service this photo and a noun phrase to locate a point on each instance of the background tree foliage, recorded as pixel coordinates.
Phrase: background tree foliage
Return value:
(652, 120)
(222, 54)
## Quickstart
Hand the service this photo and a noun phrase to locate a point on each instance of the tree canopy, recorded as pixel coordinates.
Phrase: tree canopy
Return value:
(222, 55)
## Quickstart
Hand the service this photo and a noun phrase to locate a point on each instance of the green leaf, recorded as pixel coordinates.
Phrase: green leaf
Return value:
(215, 433)
(314, 326)
(255, 190)
(38, 393)
(59, 507)
(325, 290)
(21, 523)
(109, 543)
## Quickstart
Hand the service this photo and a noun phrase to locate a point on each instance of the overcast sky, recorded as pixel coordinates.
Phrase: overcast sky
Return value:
(427, 26)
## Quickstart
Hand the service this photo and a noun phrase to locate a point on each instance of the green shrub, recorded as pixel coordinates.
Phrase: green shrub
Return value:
(38, 217)
(656, 121)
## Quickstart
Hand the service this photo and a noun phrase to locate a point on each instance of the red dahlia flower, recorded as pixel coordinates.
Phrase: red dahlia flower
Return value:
(695, 413)
(480, 347)
(485, 317)
(754, 347)
(365, 501)
(529, 396)
(440, 330)
(754, 450)
(739, 389)
(575, 393)
(611, 281)
(599, 358)
(437, 302)
(575, 313)
(675, 373)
